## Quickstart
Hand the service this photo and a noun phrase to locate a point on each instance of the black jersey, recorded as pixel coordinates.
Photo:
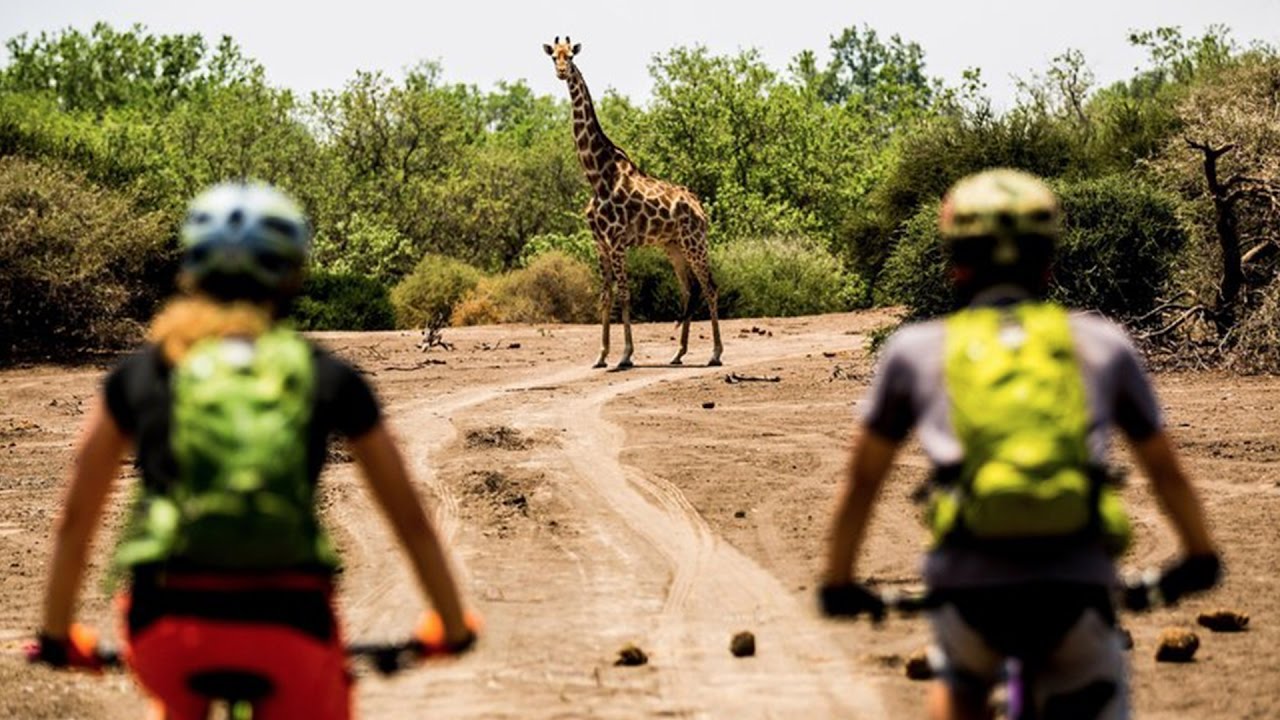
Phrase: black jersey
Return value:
(140, 400)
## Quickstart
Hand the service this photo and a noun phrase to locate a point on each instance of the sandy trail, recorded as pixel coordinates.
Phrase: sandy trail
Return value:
(642, 565)
(587, 510)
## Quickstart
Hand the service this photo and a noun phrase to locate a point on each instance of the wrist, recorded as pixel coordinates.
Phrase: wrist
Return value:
(54, 633)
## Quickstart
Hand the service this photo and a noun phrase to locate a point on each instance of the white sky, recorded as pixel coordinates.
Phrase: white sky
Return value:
(320, 44)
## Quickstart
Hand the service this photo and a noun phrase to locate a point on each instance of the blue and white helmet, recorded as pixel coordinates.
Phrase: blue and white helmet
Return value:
(245, 242)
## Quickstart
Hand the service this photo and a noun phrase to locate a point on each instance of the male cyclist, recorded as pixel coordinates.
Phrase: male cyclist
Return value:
(229, 414)
(1013, 401)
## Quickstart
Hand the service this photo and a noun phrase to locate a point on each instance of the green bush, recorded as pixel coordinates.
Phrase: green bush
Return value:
(336, 301)
(580, 246)
(432, 290)
(780, 277)
(655, 291)
(1116, 256)
(915, 274)
(80, 266)
(364, 245)
(554, 288)
(1121, 243)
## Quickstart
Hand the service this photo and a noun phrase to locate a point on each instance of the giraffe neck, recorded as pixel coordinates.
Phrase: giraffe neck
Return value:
(597, 154)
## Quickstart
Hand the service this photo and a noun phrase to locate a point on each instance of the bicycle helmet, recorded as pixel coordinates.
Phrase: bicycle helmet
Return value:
(245, 241)
(999, 217)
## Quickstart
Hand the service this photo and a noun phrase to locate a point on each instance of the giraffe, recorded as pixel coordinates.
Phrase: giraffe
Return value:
(630, 209)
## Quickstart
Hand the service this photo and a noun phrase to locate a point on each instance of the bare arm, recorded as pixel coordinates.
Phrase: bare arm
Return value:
(93, 471)
(387, 477)
(1174, 491)
(869, 465)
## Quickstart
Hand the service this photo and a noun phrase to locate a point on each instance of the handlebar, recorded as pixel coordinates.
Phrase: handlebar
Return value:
(386, 658)
(1137, 594)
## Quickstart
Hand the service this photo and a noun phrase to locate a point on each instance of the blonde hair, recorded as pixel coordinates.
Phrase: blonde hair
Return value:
(186, 320)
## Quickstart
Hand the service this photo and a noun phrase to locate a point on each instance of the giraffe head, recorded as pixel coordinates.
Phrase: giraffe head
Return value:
(562, 53)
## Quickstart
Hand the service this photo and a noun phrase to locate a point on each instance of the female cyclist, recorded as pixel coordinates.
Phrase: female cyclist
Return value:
(229, 414)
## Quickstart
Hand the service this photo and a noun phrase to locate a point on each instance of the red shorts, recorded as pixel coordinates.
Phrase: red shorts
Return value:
(308, 676)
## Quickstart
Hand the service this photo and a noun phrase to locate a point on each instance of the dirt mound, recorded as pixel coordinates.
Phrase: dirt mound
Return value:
(1177, 645)
(503, 498)
(497, 436)
(1224, 621)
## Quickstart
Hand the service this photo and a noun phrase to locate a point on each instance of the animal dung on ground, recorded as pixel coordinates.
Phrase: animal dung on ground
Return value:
(708, 405)
(740, 514)
(631, 656)
(1177, 645)
(1224, 620)
(743, 644)
(918, 667)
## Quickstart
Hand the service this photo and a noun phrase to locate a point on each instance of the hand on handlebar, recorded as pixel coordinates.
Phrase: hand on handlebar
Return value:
(1193, 574)
(431, 635)
(851, 600)
(79, 650)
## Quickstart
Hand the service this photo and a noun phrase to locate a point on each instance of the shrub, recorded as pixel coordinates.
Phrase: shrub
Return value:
(338, 301)
(432, 290)
(553, 288)
(915, 274)
(779, 277)
(655, 291)
(1116, 256)
(1257, 345)
(580, 246)
(80, 266)
(364, 245)
(1120, 246)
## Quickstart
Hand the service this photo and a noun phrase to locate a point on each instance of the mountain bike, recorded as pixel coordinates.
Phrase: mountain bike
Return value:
(1016, 702)
(233, 694)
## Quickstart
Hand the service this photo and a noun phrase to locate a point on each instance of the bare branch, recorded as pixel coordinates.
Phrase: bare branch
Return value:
(1189, 313)
(1172, 303)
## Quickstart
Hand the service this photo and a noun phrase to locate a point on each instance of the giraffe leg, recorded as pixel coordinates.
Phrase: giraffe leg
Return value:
(702, 270)
(606, 306)
(624, 298)
(682, 276)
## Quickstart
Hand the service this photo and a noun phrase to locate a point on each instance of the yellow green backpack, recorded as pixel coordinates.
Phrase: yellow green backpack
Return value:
(243, 498)
(1018, 407)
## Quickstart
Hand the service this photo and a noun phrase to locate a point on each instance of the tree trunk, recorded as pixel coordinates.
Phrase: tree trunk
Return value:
(1227, 228)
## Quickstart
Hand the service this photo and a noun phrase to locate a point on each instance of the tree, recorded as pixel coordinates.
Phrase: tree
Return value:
(1227, 153)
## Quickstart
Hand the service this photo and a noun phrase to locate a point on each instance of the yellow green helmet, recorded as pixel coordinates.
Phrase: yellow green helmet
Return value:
(1008, 209)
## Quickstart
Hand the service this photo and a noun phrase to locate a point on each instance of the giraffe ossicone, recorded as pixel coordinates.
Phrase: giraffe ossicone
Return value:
(631, 209)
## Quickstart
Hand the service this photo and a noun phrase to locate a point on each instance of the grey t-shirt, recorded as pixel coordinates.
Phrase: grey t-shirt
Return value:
(909, 392)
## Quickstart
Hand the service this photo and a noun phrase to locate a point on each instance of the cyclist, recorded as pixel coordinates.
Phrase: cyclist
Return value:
(229, 413)
(1013, 400)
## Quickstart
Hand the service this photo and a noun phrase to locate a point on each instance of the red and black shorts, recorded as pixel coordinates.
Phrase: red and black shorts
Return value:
(271, 639)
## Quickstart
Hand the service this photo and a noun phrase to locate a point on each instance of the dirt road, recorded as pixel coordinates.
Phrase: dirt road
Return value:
(588, 510)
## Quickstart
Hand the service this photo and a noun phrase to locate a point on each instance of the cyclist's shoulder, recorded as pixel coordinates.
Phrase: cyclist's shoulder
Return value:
(913, 338)
(142, 364)
(1096, 333)
(328, 364)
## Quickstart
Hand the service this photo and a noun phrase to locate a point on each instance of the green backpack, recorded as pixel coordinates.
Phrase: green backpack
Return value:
(242, 498)
(1019, 410)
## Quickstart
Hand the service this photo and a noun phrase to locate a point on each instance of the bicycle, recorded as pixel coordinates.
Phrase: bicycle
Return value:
(237, 692)
(1150, 590)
